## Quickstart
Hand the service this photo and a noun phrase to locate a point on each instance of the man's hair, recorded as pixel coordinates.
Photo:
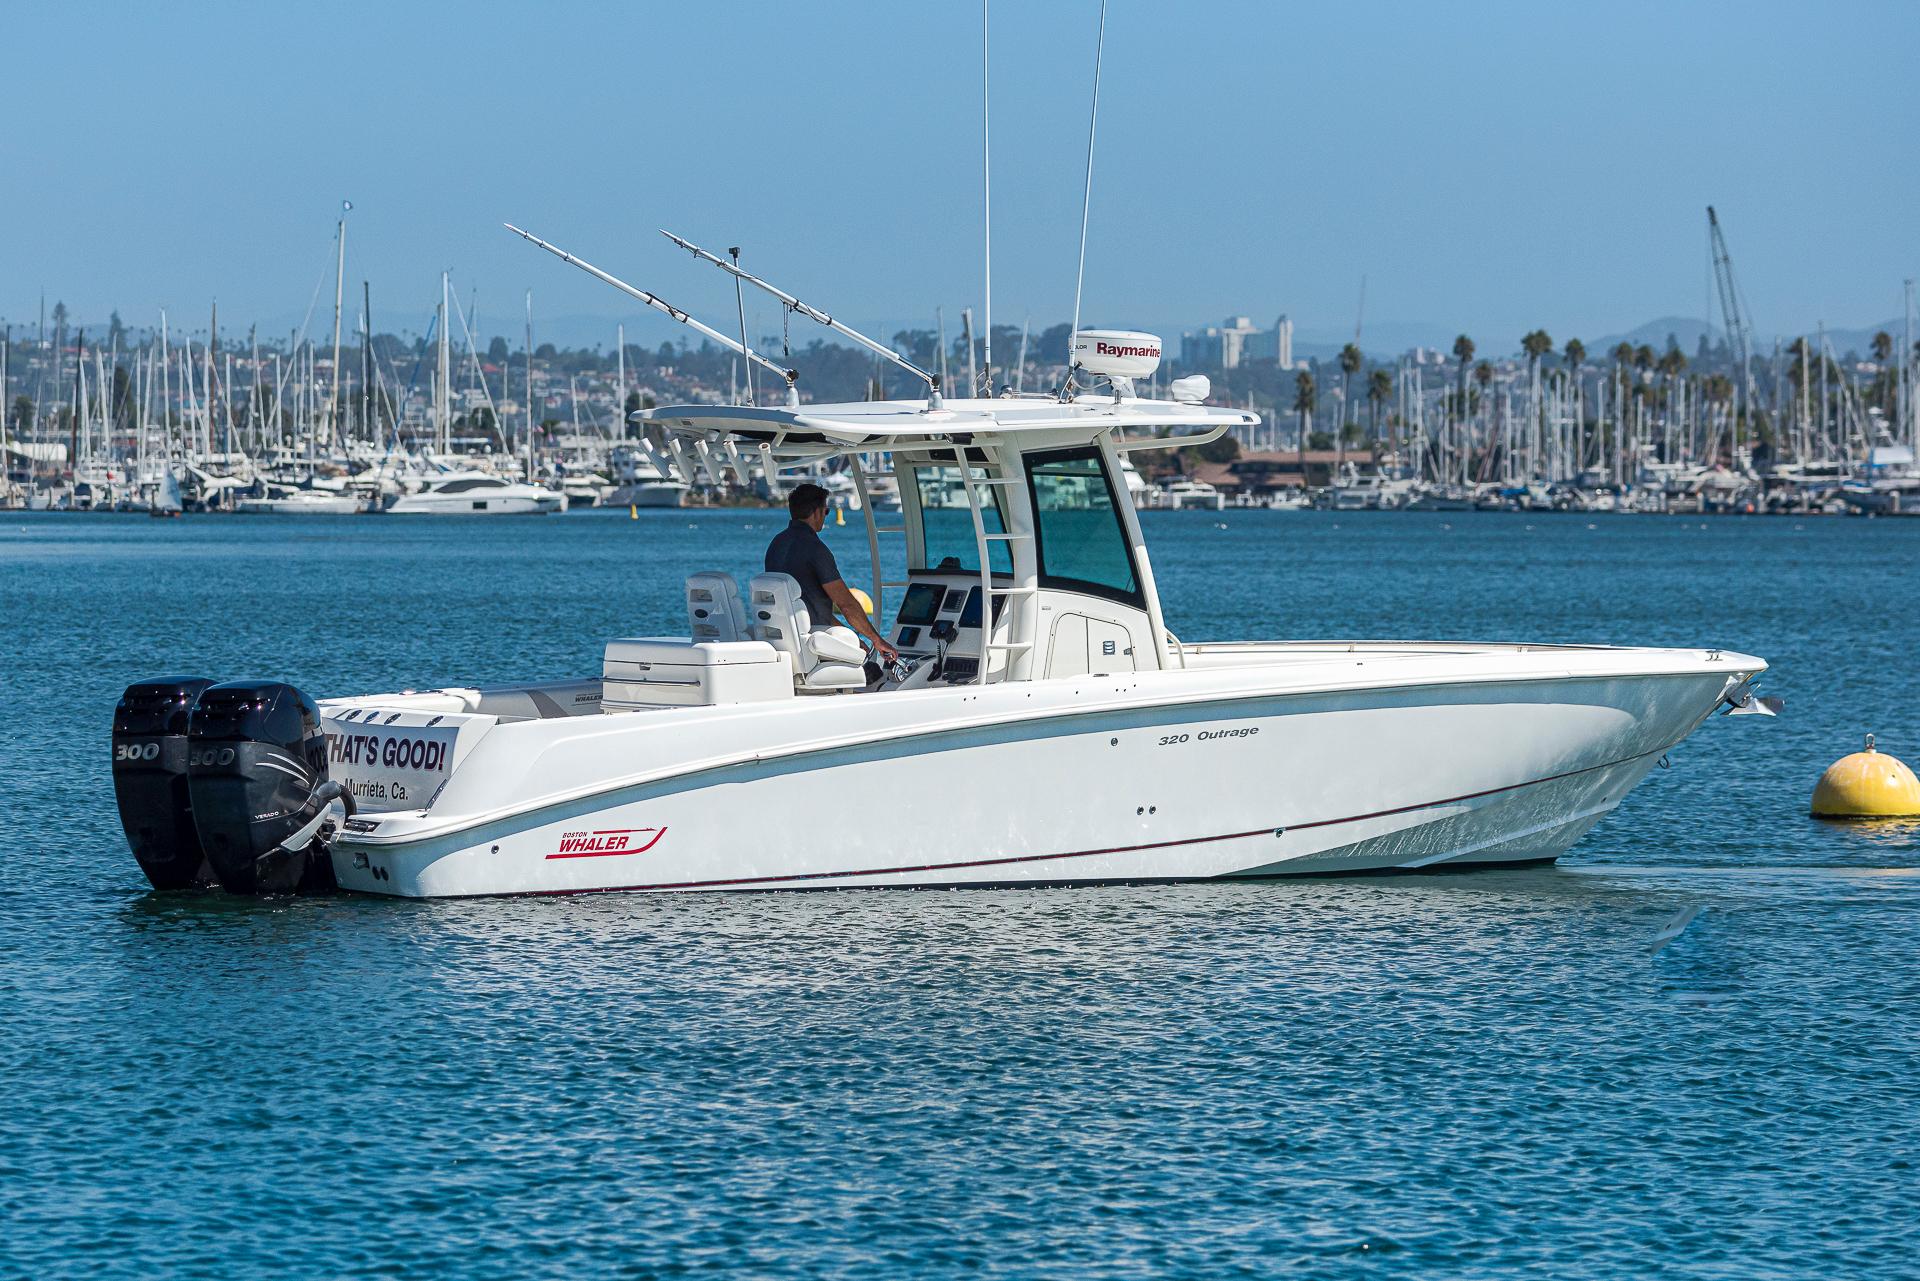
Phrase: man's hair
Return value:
(805, 500)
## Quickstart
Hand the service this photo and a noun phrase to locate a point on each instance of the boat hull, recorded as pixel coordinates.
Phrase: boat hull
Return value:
(476, 505)
(343, 505)
(1206, 784)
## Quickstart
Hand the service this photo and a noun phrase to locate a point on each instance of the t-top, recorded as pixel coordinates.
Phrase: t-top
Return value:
(798, 551)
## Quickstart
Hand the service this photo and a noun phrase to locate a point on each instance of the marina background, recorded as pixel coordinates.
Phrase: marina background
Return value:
(1432, 1076)
(155, 420)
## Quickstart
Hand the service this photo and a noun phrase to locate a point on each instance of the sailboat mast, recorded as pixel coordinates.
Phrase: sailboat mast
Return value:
(79, 392)
(339, 284)
(166, 385)
(529, 386)
(6, 409)
(444, 385)
(366, 360)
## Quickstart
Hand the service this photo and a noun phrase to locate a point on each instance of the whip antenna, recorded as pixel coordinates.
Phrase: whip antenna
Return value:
(1086, 198)
(740, 301)
(986, 190)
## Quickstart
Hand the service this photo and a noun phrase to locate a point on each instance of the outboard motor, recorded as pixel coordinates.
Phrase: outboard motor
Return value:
(257, 776)
(150, 780)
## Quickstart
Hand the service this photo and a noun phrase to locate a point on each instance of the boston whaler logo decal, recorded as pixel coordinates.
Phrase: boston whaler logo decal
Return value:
(631, 840)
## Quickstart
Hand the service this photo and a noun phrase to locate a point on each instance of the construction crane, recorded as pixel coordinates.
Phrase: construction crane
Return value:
(1733, 317)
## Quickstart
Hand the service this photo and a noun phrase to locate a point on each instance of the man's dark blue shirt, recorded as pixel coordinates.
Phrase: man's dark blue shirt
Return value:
(797, 550)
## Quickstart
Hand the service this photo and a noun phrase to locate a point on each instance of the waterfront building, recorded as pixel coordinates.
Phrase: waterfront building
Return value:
(1228, 345)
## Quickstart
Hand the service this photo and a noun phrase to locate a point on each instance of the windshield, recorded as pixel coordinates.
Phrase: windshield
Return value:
(946, 520)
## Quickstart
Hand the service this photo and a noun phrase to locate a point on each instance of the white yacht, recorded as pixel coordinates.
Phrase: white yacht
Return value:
(639, 482)
(477, 493)
(1045, 723)
(289, 500)
(1184, 494)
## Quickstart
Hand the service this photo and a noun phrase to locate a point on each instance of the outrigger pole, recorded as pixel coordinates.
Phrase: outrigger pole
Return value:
(811, 313)
(660, 304)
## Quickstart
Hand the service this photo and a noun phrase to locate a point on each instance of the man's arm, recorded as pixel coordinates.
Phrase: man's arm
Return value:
(843, 600)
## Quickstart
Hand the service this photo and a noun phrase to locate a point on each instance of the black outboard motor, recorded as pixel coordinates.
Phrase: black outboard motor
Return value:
(257, 774)
(150, 780)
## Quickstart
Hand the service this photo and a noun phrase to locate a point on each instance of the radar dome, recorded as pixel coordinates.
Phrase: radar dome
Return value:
(1116, 353)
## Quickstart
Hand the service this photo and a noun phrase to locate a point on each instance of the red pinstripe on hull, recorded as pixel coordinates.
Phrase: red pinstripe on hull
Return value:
(796, 877)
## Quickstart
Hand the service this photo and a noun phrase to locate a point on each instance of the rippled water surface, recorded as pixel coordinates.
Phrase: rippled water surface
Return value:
(1470, 1075)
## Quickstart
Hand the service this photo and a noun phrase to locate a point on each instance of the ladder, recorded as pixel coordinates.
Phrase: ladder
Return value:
(1018, 619)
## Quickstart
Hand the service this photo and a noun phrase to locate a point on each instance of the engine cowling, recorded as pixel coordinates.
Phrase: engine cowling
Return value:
(150, 780)
(257, 779)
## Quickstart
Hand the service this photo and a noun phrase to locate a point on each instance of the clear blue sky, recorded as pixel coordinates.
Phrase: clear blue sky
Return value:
(1487, 167)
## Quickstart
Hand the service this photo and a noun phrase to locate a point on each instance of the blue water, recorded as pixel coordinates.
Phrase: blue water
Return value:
(1477, 1075)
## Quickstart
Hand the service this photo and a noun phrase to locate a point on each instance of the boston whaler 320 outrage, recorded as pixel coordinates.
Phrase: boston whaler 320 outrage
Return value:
(1043, 724)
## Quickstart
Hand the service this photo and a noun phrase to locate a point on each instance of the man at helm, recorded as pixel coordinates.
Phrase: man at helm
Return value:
(800, 551)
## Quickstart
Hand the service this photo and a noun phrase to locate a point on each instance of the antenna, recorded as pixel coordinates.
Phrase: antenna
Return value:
(1086, 198)
(794, 304)
(660, 304)
(986, 195)
(740, 301)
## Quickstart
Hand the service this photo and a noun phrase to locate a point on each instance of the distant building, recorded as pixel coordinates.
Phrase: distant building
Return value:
(1238, 340)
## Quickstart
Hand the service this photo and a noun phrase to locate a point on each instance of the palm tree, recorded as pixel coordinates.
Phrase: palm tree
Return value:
(1303, 397)
(1535, 345)
(1462, 352)
(1882, 354)
(1350, 362)
(1379, 388)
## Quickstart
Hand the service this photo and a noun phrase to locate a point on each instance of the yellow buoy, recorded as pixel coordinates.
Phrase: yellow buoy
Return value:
(1867, 784)
(633, 511)
(866, 601)
(839, 515)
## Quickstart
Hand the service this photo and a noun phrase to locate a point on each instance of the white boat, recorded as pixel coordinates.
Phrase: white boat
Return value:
(1184, 494)
(166, 496)
(583, 489)
(282, 500)
(477, 493)
(1889, 485)
(639, 482)
(1442, 498)
(1045, 724)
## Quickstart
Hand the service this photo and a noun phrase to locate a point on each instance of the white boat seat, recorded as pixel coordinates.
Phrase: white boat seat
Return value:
(714, 611)
(825, 659)
(641, 672)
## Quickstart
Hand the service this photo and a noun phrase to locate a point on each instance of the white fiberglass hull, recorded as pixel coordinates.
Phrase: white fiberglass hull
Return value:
(1270, 760)
(323, 505)
(520, 501)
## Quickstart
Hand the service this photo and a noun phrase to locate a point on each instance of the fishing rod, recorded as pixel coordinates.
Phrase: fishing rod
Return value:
(791, 376)
(813, 313)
